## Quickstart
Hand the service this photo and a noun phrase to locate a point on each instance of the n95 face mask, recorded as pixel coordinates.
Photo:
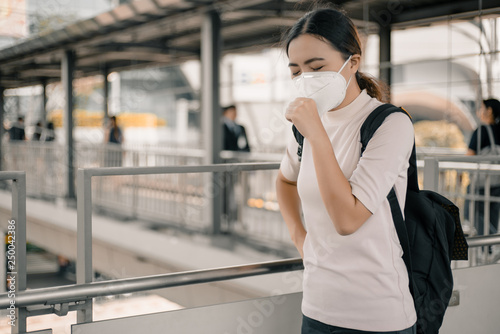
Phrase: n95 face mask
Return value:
(326, 88)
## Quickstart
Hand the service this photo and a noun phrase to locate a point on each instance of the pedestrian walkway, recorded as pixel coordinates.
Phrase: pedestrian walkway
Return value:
(130, 249)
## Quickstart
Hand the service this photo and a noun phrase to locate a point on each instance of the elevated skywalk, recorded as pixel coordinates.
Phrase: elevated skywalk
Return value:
(130, 249)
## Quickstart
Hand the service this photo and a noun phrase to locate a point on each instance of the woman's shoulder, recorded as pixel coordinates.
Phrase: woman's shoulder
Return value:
(495, 127)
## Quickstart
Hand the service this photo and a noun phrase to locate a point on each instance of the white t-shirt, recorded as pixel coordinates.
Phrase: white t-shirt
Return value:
(358, 281)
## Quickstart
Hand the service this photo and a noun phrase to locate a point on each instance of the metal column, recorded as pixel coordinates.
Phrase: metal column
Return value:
(385, 55)
(2, 112)
(44, 102)
(105, 73)
(68, 67)
(211, 46)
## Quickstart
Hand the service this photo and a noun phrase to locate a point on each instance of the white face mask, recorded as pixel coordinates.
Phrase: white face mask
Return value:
(326, 88)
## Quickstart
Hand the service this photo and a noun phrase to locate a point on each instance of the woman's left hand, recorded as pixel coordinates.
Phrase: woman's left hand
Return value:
(303, 113)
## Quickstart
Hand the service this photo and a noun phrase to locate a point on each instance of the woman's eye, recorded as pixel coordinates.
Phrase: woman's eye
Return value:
(295, 73)
(317, 68)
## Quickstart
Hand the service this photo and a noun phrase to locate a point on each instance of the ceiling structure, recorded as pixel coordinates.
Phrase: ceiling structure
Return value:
(146, 33)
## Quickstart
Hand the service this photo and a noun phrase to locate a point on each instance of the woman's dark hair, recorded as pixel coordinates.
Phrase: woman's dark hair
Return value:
(336, 28)
(494, 104)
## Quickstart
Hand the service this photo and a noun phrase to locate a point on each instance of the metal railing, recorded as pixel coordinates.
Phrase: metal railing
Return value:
(472, 183)
(61, 300)
(250, 210)
(16, 274)
(84, 208)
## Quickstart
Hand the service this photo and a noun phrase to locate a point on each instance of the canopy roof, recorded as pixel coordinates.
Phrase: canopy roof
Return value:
(160, 32)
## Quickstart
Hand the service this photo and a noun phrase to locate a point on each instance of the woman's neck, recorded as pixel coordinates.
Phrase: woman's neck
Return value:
(352, 93)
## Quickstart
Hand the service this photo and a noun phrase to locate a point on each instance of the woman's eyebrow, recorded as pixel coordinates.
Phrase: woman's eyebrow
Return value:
(307, 62)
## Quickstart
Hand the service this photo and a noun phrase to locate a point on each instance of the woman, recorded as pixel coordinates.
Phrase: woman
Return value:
(114, 136)
(489, 115)
(355, 280)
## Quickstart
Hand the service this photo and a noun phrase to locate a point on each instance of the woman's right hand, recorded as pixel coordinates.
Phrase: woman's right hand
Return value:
(302, 112)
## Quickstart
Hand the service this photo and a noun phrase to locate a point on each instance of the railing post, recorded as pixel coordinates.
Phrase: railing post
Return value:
(84, 239)
(17, 273)
(135, 185)
(431, 174)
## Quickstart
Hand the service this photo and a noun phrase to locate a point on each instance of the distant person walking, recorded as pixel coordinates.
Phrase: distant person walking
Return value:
(115, 135)
(16, 132)
(235, 136)
(114, 140)
(489, 115)
(235, 139)
(48, 134)
(37, 135)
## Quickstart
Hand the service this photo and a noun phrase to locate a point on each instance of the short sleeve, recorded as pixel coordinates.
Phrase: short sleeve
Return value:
(473, 141)
(290, 164)
(386, 158)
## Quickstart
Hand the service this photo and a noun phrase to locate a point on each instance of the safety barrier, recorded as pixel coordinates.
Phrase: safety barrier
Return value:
(61, 300)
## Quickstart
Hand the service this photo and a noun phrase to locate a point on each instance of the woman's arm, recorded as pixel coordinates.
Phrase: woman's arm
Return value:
(347, 213)
(289, 202)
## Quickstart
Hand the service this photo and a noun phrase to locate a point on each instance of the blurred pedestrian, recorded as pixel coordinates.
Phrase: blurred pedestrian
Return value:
(235, 136)
(235, 139)
(114, 140)
(37, 134)
(488, 144)
(115, 135)
(48, 134)
(16, 131)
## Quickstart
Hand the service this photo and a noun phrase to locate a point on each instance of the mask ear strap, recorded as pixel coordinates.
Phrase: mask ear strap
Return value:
(348, 81)
(345, 63)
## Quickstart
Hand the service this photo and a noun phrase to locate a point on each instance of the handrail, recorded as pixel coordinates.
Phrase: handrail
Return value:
(484, 240)
(466, 158)
(78, 292)
(219, 168)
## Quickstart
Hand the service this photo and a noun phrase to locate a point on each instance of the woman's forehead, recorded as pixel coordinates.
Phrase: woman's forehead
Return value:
(307, 44)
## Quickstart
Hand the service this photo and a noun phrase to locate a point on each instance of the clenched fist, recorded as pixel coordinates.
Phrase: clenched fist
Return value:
(302, 112)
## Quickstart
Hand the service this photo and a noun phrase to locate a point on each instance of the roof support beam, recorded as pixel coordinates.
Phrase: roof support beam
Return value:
(385, 56)
(105, 87)
(211, 46)
(44, 103)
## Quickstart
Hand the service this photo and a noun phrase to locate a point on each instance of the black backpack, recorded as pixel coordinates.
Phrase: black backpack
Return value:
(431, 235)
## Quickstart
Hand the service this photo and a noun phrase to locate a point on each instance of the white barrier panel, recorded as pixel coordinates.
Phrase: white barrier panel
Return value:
(270, 315)
(479, 308)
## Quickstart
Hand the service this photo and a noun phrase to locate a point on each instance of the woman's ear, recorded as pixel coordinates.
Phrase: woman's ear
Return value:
(354, 63)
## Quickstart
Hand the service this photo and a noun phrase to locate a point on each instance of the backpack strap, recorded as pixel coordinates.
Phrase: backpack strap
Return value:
(402, 232)
(300, 140)
(370, 126)
(368, 129)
